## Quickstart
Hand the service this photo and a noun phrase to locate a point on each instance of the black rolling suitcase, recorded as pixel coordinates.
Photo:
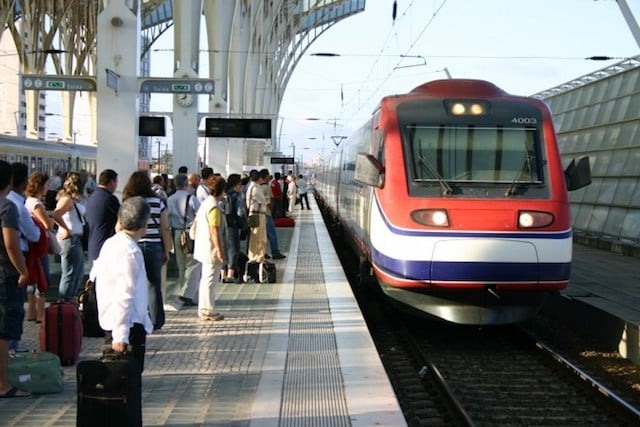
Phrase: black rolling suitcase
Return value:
(109, 392)
(260, 272)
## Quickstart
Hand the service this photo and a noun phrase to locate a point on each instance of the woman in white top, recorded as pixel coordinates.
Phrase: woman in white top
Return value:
(256, 204)
(69, 215)
(37, 188)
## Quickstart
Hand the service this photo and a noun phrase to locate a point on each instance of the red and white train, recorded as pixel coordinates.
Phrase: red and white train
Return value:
(455, 198)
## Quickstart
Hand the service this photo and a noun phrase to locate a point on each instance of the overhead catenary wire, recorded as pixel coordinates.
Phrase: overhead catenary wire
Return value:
(381, 54)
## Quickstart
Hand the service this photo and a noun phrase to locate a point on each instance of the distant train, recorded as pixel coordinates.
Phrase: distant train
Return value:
(455, 200)
(48, 157)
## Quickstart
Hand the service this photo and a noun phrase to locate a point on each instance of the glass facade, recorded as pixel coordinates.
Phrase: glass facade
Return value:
(599, 116)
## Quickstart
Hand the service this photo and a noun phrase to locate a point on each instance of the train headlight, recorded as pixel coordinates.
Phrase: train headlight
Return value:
(431, 217)
(467, 108)
(458, 109)
(534, 219)
(476, 109)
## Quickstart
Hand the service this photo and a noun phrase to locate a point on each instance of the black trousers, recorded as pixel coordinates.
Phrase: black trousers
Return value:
(304, 197)
(137, 344)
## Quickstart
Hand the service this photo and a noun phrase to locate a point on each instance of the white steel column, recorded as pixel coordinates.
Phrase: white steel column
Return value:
(631, 20)
(219, 18)
(118, 47)
(186, 18)
(240, 35)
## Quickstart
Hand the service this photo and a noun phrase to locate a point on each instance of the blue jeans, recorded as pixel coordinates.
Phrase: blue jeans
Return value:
(233, 248)
(152, 253)
(186, 286)
(272, 237)
(47, 268)
(72, 267)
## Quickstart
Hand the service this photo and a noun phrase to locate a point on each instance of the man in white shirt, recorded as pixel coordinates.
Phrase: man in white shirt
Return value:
(202, 191)
(123, 304)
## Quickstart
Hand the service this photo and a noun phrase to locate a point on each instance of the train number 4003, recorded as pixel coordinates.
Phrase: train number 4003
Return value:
(524, 120)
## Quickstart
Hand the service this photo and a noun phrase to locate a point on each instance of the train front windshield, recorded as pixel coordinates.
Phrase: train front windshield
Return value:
(473, 154)
(462, 155)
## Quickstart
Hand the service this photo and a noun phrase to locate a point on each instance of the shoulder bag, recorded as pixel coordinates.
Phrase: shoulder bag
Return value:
(253, 220)
(186, 237)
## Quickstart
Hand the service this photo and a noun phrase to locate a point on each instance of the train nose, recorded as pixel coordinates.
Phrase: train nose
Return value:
(484, 261)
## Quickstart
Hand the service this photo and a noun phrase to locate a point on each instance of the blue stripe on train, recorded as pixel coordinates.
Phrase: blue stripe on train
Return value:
(464, 271)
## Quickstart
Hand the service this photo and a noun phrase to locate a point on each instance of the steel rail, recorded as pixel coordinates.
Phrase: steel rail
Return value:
(590, 380)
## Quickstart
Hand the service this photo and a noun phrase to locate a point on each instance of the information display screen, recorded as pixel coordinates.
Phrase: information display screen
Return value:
(151, 126)
(237, 128)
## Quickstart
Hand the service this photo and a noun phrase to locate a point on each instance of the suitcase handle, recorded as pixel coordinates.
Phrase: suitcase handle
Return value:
(109, 354)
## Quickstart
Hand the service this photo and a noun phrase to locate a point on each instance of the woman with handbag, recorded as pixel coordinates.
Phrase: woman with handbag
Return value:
(256, 208)
(155, 244)
(69, 216)
(36, 190)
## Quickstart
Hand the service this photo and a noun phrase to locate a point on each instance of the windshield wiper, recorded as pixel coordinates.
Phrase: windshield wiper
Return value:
(446, 188)
(515, 184)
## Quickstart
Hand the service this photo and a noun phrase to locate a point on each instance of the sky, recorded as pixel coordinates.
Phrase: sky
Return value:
(523, 46)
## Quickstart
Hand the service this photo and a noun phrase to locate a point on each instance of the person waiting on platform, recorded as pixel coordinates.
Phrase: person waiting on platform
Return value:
(209, 249)
(182, 207)
(155, 244)
(69, 215)
(36, 190)
(102, 212)
(256, 205)
(193, 180)
(302, 191)
(236, 226)
(29, 231)
(292, 192)
(276, 191)
(202, 190)
(123, 305)
(272, 236)
(13, 279)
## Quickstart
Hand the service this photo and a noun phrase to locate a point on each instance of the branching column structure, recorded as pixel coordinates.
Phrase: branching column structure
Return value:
(252, 60)
(65, 30)
(77, 36)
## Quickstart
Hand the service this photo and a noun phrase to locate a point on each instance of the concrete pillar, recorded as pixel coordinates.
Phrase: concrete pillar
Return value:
(186, 18)
(118, 47)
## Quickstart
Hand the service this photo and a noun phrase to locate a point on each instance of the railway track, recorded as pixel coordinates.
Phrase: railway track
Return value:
(452, 375)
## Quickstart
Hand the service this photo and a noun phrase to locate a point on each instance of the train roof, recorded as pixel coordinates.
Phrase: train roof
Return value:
(27, 144)
(457, 88)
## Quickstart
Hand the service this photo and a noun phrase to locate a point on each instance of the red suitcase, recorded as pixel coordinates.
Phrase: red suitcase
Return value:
(284, 222)
(61, 332)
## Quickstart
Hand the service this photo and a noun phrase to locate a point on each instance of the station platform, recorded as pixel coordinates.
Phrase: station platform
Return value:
(602, 301)
(296, 352)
